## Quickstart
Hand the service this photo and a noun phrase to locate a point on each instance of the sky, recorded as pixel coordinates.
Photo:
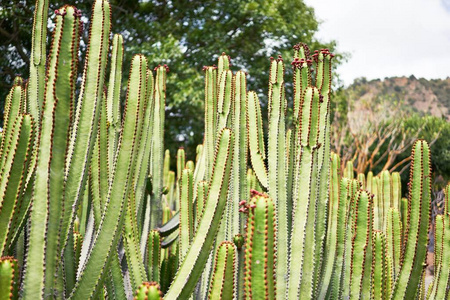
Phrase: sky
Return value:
(387, 37)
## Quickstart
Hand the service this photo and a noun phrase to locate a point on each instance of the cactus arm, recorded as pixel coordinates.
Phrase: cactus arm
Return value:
(323, 158)
(153, 255)
(377, 205)
(439, 288)
(113, 99)
(99, 170)
(223, 279)
(13, 174)
(224, 100)
(157, 151)
(107, 237)
(396, 190)
(117, 290)
(385, 195)
(333, 237)
(181, 162)
(277, 164)
(195, 259)
(359, 256)
(239, 178)
(84, 127)
(438, 240)
(394, 238)
(335, 286)
(210, 118)
(131, 245)
(49, 182)
(223, 63)
(12, 110)
(416, 238)
(256, 138)
(379, 266)
(259, 260)
(144, 181)
(148, 291)
(304, 198)
(186, 212)
(202, 192)
(143, 161)
(352, 189)
(166, 168)
(9, 278)
(36, 82)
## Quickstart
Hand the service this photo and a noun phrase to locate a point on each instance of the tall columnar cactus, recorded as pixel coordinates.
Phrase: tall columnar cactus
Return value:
(416, 238)
(153, 256)
(45, 243)
(12, 182)
(94, 186)
(394, 238)
(260, 246)
(107, 237)
(224, 277)
(381, 277)
(361, 253)
(195, 259)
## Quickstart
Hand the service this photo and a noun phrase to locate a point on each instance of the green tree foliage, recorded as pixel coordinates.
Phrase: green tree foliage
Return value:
(183, 35)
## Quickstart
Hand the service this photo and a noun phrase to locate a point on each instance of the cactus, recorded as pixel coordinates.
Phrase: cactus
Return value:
(223, 280)
(148, 290)
(416, 238)
(260, 245)
(153, 256)
(195, 259)
(104, 212)
(9, 278)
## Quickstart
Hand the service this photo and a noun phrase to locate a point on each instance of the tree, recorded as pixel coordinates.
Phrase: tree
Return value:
(184, 35)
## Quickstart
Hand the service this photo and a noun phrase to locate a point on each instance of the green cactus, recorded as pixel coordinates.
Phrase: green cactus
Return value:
(195, 259)
(153, 256)
(224, 278)
(148, 291)
(260, 245)
(416, 238)
(9, 278)
(394, 238)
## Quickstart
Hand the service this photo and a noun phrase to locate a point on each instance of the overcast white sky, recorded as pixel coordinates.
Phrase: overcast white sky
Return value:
(388, 37)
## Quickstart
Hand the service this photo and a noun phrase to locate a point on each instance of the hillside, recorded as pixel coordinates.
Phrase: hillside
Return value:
(412, 94)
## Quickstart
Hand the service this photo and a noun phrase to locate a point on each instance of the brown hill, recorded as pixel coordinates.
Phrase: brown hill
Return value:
(412, 94)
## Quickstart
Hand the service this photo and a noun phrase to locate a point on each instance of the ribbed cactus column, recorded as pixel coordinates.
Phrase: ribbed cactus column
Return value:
(301, 262)
(84, 126)
(260, 246)
(36, 82)
(361, 253)
(44, 248)
(416, 239)
(195, 259)
(223, 283)
(12, 181)
(323, 82)
(239, 178)
(277, 164)
(107, 237)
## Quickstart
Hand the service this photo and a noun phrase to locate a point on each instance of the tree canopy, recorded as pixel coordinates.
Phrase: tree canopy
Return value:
(185, 35)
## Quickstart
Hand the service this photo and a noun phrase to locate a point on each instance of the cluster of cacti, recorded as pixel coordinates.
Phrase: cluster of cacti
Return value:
(90, 208)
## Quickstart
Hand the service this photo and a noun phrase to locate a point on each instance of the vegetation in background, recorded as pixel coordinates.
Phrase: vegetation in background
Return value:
(185, 35)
